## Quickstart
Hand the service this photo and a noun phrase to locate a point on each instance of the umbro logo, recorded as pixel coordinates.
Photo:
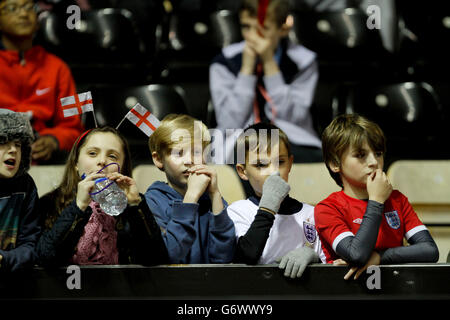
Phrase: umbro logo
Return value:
(357, 220)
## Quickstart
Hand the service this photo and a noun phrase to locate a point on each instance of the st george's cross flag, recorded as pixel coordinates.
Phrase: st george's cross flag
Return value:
(77, 104)
(143, 119)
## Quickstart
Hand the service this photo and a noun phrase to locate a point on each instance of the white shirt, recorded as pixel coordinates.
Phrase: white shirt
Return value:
(287, 232)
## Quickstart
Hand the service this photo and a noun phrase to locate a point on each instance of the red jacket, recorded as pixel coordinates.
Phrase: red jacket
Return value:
(37, 87)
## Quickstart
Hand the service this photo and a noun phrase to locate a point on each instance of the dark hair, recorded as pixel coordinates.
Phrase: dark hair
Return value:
(67, 190)
(15, 126)
(277, 10)
(346, 131)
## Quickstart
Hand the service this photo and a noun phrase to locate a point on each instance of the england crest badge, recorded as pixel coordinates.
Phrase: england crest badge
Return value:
(310, 232)
(392, 219)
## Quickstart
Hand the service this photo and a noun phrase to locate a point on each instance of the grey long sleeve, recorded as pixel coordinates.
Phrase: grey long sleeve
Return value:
(357, 249)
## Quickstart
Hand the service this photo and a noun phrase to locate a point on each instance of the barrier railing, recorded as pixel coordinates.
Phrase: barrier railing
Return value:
(234, 281)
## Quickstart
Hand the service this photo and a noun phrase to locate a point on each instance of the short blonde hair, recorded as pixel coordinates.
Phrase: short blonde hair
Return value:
(167, 134)
(346, 131)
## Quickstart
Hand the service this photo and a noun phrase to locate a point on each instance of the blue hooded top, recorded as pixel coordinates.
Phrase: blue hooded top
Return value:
(192, 233)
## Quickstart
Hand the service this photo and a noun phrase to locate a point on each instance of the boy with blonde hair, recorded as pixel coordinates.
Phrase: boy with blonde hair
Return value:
(271, 226)
(189, 208)
(365, 223)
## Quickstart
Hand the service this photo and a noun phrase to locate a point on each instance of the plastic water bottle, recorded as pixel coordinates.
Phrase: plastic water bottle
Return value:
(109, 196)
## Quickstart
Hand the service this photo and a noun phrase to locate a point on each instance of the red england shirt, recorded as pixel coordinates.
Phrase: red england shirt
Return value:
(340, 216)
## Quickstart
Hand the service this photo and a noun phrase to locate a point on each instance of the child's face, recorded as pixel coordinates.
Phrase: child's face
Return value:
(272, 32)
(357, 164)
(18, 18)
(177, 161)
(257, 173)
(10, 156)
(100, 149)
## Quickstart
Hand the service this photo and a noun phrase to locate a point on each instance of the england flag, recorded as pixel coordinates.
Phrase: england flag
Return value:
(143, 119)
(77, 104)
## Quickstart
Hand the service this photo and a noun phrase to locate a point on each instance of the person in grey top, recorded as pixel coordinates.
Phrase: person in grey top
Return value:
(266, 78)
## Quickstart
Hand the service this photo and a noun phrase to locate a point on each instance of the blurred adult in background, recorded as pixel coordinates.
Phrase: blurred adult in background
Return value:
(280, 91)
(32, 81)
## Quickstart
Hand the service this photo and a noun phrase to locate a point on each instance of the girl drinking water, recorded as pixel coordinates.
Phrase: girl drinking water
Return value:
(77, 231)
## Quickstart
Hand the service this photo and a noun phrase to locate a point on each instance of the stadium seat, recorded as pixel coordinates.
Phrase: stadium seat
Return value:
(198, 101)
(145, 175)
(311, 182)
(112, 103)
(103, 39)
(194, 40)
(190, 54)
(426, 183)
(423, 29)
(429, 25)
(345, 47)
(47, 178)
(225, 28)
(325, 105)
(100, 35)
(409, 113)
(229, 183)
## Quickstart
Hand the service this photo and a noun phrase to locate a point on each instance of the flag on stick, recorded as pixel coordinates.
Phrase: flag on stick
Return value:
(142, 118)
(78, 104)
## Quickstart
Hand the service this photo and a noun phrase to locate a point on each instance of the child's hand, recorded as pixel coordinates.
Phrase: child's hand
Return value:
(84, 188)
(275, 189)
(43, 148)
(373, 260)
(378, 186)
(128, 185)
(261, 44)
(340, 262)
(196, 186)
(295, 261)
(213, 189)
(211, 173)
(248, 60)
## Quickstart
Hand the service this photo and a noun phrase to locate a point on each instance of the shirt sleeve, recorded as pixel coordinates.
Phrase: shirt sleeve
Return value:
(422, 248)
(65, 130)
(176, 223)
(56, 245)
(330, 224)
(251, 244)
(232, 96)
(221, 242)
(293, 101)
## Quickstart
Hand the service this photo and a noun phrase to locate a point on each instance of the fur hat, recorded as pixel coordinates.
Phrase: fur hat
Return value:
(16, 126)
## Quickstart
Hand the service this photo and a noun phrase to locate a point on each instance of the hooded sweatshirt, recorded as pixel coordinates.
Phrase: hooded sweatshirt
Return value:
(192, 233)
(36, 88)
